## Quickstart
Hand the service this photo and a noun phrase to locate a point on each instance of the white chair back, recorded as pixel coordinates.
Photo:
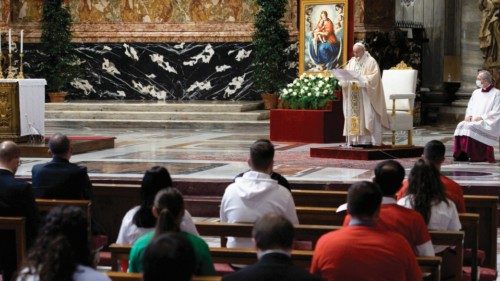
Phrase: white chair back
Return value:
(399, 81)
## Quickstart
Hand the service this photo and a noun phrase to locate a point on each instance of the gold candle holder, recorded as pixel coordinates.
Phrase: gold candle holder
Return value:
(1, 65)
(20, 75)
(10, 73)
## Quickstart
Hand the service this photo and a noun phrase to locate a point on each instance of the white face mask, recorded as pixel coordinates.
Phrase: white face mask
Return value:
(479, 84)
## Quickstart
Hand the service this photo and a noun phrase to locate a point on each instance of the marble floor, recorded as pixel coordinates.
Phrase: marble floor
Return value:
(218, 155)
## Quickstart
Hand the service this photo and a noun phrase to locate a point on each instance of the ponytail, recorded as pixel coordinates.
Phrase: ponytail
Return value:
(170, 207)
(166, 223)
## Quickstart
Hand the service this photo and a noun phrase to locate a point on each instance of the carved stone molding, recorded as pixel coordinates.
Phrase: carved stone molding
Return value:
(117, 21)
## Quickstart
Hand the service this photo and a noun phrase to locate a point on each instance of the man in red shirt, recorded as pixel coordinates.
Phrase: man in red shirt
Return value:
(361, 251)
(434, 154)
(409, 223)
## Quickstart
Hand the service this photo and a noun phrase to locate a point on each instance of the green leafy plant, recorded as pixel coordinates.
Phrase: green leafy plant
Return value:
(270, 41)
(59, 64)
(310, 91)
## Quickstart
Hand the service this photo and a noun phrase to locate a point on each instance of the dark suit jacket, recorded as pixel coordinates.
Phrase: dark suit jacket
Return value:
(272, 267)
(60, 179)
(17, 200)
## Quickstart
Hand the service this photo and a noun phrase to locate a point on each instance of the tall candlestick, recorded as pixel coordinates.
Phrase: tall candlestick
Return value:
(22, 35)
(10, 40)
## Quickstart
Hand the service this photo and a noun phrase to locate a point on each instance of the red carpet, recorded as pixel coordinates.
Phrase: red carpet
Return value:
(375, 153)
(80, 144)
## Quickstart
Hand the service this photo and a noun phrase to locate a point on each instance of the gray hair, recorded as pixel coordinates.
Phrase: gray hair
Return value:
(361, 45)
(486, 75)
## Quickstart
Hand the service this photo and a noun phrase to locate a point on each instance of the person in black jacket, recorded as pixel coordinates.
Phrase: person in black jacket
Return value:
(273, 235)
(60, 179)
(16, 200)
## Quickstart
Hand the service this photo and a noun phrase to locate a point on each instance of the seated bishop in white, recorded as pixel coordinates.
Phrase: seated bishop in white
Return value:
(476, 136)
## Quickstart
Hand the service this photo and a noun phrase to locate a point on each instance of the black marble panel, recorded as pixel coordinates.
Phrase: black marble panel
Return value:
(163, 71)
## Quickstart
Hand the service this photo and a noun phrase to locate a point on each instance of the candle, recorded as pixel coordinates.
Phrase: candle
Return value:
(22, 33)
(10, 40)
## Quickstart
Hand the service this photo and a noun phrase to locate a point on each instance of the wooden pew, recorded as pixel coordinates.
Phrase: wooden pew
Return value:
(302, 232)
(16, 224)
(430, 265)
(470, 226)
(486, 207)
(125, 276)
(123, 196)
(319, 198)
(45, 205)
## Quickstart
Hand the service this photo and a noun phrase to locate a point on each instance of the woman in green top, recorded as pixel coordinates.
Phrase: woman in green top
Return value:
(169, 210)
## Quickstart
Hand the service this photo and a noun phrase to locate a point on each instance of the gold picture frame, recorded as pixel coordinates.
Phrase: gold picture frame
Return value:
(323, 36)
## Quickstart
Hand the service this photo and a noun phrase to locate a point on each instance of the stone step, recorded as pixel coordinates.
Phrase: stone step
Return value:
(157, 106)
(169, 124)
(159, 116)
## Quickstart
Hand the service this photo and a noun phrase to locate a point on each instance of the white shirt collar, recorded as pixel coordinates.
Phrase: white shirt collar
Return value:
(7, 169)
(260, 253)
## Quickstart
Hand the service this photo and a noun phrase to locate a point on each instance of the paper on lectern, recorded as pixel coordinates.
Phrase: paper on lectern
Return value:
(345, 74)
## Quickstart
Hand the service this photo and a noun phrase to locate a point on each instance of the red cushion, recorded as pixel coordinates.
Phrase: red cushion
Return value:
(105, 258)
(481, 256)
(223, 268)
(485, 274)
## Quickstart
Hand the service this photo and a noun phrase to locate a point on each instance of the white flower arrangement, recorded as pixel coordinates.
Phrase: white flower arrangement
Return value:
(310, 91)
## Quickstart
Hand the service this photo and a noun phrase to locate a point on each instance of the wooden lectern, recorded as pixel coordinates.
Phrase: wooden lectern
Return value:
(22, 108)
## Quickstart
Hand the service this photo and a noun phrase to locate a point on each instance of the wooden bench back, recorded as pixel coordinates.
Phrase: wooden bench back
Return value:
(16, 224)
(302, 232)
(45, 205)
(486, 207)
(470, 226)
(429, 265)
(125, 276)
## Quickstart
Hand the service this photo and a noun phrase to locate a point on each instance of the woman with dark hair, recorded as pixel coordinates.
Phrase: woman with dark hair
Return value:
(61, 251)
(426, 195)
(140, 219)
(170, 255)
(169, 210)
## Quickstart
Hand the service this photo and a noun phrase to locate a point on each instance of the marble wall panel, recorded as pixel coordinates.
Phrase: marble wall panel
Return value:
(164, 71)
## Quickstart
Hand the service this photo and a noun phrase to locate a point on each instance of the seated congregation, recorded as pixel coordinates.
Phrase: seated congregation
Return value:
(393, 229)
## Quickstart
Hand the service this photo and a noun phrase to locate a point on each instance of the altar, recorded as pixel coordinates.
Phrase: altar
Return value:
(22, 108)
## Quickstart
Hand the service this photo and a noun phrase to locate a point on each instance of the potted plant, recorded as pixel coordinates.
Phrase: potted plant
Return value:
(58, 62)
(310, 91)
(270, 41)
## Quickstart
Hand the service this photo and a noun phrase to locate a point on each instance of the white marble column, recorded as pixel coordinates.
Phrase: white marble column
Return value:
(471, 55)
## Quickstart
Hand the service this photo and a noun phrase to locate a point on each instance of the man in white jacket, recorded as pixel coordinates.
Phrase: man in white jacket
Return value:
(256, 194)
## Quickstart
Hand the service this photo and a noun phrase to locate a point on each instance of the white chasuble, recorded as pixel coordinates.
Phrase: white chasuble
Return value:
(364, 103)
(487, 106)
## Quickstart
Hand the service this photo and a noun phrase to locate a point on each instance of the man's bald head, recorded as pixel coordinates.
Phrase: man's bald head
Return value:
(9, 151)
(59, 145)
(9, 155)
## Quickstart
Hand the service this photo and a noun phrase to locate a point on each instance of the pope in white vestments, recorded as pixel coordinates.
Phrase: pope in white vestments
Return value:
(364, 103)
(476, 136)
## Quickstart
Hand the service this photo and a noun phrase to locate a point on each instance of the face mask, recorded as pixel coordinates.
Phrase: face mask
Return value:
(479, 84)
